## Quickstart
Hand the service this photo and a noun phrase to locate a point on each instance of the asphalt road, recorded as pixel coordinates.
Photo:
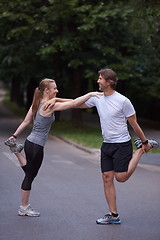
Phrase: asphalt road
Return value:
(68, 192)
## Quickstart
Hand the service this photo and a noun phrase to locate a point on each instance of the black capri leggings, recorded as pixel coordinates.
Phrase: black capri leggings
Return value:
(34, 156)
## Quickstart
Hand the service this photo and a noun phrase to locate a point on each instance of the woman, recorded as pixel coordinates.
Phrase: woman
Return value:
(34, 144)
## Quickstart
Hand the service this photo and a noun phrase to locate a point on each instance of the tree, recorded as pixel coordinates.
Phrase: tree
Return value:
(71, 40)
(20, 42)
(145, 24)
(85, 36)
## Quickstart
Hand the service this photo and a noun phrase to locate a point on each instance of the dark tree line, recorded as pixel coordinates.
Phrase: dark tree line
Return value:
(71, 40)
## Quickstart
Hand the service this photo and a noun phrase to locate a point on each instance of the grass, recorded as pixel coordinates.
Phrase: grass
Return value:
(86, 135)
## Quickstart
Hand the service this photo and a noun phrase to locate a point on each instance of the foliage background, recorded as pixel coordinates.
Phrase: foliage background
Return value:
(71, 40)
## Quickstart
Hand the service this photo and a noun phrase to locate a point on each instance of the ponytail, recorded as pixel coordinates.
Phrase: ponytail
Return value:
(36, 101)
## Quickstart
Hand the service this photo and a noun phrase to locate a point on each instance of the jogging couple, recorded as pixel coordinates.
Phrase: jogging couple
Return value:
(117, 158)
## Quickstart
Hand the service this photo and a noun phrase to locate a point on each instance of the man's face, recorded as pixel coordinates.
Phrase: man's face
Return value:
(103, 84)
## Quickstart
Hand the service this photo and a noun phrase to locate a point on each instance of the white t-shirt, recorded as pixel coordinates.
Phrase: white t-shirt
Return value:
(113, 112)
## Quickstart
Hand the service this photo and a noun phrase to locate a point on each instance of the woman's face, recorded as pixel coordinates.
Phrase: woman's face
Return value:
(52, 92)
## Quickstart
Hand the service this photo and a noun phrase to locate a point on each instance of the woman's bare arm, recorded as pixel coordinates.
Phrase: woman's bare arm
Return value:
(25, 123)
(59, 106)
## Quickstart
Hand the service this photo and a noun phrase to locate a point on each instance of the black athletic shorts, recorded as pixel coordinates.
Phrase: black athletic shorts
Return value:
(116, 156)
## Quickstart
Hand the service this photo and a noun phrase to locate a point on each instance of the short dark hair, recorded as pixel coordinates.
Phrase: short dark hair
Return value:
(110, 76)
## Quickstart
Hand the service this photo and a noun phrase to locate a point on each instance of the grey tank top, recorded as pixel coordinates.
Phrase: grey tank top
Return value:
(41, 128)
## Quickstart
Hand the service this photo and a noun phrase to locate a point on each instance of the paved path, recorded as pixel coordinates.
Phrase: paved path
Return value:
(68, 192)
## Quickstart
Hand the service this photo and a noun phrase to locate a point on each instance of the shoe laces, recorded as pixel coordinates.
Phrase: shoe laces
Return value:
(108, 215)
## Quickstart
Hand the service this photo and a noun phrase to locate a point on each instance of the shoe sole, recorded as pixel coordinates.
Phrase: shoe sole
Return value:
(28, 215)
(10, 145)
(108, 223)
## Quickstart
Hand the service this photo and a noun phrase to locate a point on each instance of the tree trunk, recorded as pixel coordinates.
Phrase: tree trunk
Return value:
(30, 91)
(154, 113)
(76, 115)
(16, 93)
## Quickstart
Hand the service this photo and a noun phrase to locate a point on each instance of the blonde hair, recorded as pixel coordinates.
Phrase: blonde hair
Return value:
(38, 94)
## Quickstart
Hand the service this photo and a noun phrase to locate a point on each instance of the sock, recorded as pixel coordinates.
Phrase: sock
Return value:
(24, 207)
(114, 214)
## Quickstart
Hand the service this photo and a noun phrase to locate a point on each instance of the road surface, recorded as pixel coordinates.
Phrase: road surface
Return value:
(68, 192)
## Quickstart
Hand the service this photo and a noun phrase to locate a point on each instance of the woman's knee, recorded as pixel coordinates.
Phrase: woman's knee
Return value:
(27, 182)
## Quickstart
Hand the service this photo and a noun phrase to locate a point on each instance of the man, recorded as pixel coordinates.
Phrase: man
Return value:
(117, 161)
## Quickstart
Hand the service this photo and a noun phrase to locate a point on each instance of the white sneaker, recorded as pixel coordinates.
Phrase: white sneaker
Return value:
(10, 143)
(28, 212)
(14, 146)
(18, 148)
(109, 219)
(153, 143)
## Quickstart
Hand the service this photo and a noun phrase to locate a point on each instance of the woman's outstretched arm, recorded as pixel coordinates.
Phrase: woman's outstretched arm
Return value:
(76, 103)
